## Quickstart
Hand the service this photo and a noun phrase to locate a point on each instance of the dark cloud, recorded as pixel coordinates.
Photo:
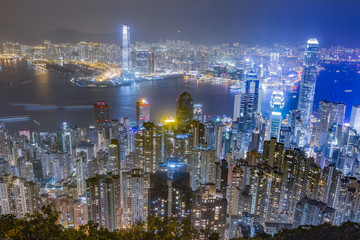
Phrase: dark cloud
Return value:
(261, 21)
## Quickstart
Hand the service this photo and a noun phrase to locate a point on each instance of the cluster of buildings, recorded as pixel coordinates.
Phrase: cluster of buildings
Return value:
(276, 65)
(236, 176)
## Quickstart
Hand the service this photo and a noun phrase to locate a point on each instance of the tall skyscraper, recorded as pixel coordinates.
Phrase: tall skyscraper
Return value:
(142, 112)
(125, 48)
(355, 118)
(276, 104)
(308, 81)
(185, 109)
(198, 112)
(101, 110)
(237, 102)
(249, 101)
(151, 65)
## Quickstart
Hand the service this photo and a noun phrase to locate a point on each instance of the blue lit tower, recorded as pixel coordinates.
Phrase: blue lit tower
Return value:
(249, 103)
(276, 105)
(308, 81)
(125, 48)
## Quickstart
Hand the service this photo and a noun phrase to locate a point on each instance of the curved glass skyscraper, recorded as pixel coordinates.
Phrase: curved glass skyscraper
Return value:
(308, 81)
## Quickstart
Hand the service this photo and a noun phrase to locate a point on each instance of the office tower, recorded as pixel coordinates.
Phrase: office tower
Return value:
(249, 104)
(255, 140)
(277, 100)
(274, 62)
(125, 48)
(276, 105)
(285, 136)
(104, 201)
(355, 118)
(101, 111)
(198, 112)
(135, 193)
(308, 81)
(202, 63)
(274, 125)
(143, 62)
(295, 123)
(115, 128)
(198, 132)
(151, 63)
(237, 107)
(184, 109)
(330, 113)
(142, 112)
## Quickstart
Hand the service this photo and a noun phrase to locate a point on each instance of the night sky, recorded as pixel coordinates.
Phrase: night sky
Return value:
(202, 21)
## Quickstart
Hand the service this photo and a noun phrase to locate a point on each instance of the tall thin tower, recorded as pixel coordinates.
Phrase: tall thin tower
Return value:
(308, 81)
(125, 48)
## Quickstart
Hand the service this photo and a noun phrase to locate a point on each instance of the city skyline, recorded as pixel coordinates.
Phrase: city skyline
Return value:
(222, 141)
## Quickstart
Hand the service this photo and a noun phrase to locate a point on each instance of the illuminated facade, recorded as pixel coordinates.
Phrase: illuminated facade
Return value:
(125, 48)
(308, 81)
(101, 114)
(142, 112)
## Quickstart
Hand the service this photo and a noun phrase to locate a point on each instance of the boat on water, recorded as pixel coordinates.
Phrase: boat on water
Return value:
(235, 87)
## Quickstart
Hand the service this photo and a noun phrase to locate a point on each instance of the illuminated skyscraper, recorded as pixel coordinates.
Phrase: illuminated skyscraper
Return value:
(101, 110)
(125, 48)
(237, 103)
(249, 102)
(308, 81)
(276, 104)
(355, 118)
(198, 112)
(151, 65)
(185, 108)
(142, 112)
(275, 125)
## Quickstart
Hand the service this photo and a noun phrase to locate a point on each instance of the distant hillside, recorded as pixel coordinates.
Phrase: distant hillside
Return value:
(26, 35)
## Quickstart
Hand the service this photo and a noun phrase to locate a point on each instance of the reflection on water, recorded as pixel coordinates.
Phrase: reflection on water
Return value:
(51, 99)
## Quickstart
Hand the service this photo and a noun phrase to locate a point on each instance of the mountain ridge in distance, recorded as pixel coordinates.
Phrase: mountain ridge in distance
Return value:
(28, 35)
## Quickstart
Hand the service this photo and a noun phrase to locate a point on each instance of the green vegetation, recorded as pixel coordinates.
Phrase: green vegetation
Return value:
(43, 225)
(347, 231)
